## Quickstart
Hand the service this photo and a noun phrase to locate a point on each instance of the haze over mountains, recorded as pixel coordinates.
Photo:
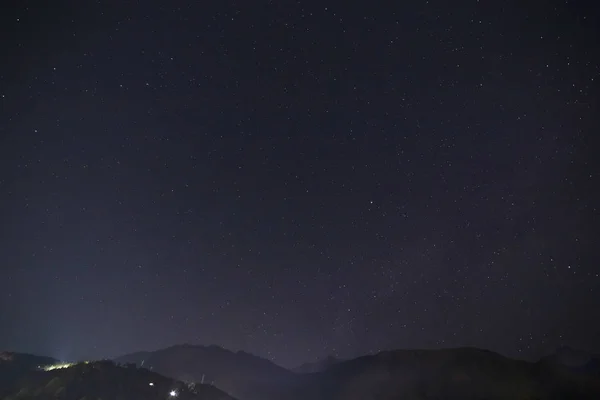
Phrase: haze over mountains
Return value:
(214, 373)
(317, 366)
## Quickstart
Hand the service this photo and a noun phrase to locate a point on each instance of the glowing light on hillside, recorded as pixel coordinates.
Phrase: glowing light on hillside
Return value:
(61, 366)
(57, 366)
(173, 393)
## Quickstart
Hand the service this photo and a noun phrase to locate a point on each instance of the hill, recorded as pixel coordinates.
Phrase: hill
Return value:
(241, 374)
(463, 373)
(574, 360)
(101, 380)
(14, 365)
(23, 360)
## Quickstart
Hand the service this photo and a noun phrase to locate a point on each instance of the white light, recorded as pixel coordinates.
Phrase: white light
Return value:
(58, 366)
(151, 384)
(173, 393)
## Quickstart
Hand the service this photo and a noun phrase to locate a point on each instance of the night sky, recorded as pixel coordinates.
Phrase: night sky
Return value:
(297, 179)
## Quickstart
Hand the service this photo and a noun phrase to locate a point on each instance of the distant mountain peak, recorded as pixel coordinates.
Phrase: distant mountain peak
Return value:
(25, 360)
(233, 372)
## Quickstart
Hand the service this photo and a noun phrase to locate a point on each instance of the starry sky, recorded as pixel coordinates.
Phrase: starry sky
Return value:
(298, 178)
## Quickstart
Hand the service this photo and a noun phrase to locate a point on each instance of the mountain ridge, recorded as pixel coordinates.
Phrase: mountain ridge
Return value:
(465, 373)
(237, 373)
(102, 379)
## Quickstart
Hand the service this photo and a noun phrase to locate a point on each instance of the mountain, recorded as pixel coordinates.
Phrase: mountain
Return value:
(23, 360)
(461, 373)
(317, 366)
(574, 360)
(240, 374)
(101, 380)
(15, 365)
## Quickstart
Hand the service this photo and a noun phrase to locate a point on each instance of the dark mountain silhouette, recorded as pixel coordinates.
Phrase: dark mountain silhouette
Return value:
(23, 360)
(317, 366)
(15, 365)
(462, 373)
(101, 380)
(570, 357)
(566, 360)
(240, 374)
